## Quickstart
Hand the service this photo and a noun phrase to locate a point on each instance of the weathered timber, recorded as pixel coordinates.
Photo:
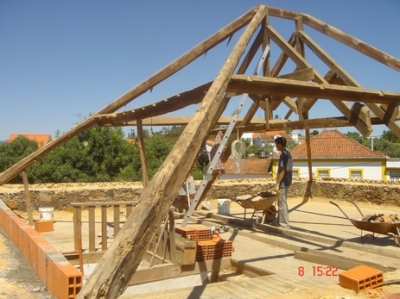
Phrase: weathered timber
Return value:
(283, 13)
(349, 80)
(302, 75)
(352, 42)
(302, 63)
(391, 110)
(316, 123)
(173, 103)
(183, 120)
(363, 113)
(119, 263)
(304, 114)
(27, 198)
(142, 152)
(283, 57)
(286, 87)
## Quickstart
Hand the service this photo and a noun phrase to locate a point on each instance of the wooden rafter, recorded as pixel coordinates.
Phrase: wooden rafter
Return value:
(293, 88)
(316, 123)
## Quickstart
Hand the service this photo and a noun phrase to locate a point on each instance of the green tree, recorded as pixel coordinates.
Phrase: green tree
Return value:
(390, 136)
(14, 151)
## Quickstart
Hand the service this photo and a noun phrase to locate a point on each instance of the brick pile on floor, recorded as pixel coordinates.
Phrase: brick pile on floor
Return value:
(210, 246)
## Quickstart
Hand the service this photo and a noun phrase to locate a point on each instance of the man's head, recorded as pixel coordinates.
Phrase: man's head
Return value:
(280, 143)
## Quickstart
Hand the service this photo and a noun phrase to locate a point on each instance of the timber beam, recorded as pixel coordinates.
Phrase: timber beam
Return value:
(316, 123)
(240, 84)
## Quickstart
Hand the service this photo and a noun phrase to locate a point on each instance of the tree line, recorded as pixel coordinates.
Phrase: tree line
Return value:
(99, 154)
(103, 154)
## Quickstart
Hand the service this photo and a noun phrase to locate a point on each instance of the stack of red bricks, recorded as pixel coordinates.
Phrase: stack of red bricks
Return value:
(208, 247)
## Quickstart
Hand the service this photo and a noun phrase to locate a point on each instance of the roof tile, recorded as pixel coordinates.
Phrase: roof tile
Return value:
(41, 139)
(333, 144)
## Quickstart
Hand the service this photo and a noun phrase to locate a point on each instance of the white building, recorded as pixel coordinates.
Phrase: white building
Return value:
(335, 155)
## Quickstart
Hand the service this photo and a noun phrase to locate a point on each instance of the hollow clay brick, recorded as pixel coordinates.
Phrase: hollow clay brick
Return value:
(361, 278)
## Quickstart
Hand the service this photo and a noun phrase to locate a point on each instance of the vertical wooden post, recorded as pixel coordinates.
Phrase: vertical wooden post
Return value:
(142, 152)
(27, 197)
(92, 229)
(128, 210)
(266, 71)
(77, 225)
(303, 114)
(104, 228)
(116, 220)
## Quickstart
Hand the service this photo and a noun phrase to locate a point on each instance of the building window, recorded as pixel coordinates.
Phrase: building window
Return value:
(323, 173)
(356, 174)
(295, 173)
(394, 176)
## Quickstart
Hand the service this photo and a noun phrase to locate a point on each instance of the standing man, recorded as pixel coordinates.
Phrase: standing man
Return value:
(283, 181)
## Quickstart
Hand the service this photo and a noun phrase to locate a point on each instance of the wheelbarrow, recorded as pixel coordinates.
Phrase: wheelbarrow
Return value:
(259, 203)
(384, 228)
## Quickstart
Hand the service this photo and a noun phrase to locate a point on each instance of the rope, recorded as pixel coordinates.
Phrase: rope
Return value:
(238, 153)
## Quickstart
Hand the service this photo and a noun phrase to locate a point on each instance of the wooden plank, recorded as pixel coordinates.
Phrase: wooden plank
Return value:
(104, 228)
(269, 283)
(231, 290)
(349, 80)
(391, 110)
(117, 216)
(246, 292)
(170, 104)
(300, 61)
(283, 13)
(27, 198)
(183, 121)
(256, 288)
(142, 153)
(92, 229)
(298, 283)
(351, 41)
(103, 203)
(128, 210)
(294, 88)
(265, 288)
(77, 225)
(301, 75)
(283, 57)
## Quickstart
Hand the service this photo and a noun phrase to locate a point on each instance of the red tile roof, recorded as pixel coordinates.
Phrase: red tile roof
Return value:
(41, 139)
(334, 145)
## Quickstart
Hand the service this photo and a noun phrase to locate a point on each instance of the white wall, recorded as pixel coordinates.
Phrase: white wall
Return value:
(340, 169)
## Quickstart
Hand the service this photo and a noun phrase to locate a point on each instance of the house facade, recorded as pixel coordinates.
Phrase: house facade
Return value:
(335, 155)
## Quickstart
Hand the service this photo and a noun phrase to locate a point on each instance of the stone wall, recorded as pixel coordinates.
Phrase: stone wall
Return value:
(60, 195)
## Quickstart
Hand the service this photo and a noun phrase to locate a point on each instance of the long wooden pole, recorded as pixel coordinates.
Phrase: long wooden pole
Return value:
(352, 42)
(146, 85)
(27, 197)
(121, 260)
(142, 152)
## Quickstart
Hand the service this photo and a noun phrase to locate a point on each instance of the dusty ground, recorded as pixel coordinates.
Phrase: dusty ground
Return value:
(17, 278)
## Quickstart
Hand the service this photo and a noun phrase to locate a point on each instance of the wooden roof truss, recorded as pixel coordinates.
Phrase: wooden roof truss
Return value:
(298, 90)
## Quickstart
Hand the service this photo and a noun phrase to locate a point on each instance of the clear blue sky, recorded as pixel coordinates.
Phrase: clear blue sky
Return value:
(62, 60)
